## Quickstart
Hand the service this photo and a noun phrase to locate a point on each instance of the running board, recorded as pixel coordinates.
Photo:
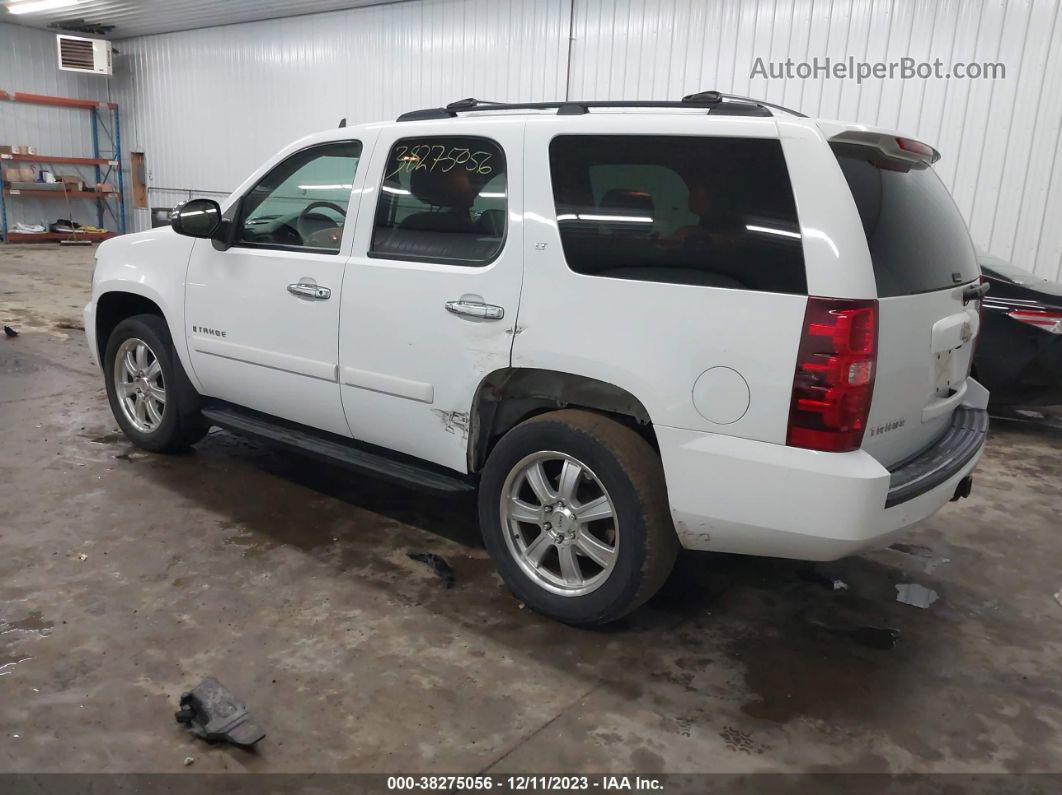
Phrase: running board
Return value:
(405, 471)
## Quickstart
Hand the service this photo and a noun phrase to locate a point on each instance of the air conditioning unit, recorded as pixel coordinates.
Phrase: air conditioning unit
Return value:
(78, 54)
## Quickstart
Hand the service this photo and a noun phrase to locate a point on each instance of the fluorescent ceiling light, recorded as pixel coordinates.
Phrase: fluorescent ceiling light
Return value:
(33, 6)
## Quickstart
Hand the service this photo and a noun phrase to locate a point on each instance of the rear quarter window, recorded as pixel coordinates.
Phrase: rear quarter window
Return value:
(918, 241)
(708, 211)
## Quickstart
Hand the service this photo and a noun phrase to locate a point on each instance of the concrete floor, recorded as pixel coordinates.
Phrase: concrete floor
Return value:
(127, 577)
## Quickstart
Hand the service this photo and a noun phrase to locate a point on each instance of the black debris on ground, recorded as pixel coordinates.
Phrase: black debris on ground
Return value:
(437, 564)
(10, 332)
(918, 550)
(818, 578)
(212, 713)
(883, 638)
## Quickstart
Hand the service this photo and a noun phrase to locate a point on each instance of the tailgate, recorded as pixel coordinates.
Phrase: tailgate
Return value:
(925, 348)
(927, 277)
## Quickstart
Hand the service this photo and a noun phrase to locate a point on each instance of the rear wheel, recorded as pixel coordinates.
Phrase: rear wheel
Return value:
(150, 395)
(574, 511)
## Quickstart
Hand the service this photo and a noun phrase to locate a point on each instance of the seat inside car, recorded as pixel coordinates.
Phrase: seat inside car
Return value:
(630, 228)
(451, 191)
(447, 229)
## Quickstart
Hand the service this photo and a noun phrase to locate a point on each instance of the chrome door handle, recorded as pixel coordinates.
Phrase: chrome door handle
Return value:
(475, 309)
(310, 290)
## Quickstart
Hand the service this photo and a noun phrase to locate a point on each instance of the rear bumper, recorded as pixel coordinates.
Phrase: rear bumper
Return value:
(949, 454)
(748, 497)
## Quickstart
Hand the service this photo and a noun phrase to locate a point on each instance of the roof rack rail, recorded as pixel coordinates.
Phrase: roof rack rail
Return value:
(698, 97)
(712, 101)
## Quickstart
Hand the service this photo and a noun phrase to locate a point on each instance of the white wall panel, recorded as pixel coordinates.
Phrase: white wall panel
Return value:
(209, 105)
(999, 139)
(28, 64)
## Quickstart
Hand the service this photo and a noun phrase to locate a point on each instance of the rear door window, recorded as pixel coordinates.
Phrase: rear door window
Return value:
(443, 199)
(917, 238)
(716, 212)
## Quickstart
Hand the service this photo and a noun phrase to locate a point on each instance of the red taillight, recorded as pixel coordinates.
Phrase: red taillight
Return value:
(834, 379)
(914, 147)
(1050, 322)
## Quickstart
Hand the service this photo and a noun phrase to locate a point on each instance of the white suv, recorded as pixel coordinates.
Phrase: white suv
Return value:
(634, 327)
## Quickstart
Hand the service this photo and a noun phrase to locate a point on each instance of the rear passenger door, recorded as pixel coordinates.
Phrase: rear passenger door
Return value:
(431, 292)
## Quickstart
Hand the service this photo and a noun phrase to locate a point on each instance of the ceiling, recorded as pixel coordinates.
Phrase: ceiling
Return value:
(143, 17)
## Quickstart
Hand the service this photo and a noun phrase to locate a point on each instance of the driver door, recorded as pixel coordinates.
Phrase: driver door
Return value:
(262, 317)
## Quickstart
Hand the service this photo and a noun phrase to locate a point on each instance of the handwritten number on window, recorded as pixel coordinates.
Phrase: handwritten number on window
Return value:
(421, 157)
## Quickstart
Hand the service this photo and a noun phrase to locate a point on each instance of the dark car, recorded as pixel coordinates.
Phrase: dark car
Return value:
(1019, 351)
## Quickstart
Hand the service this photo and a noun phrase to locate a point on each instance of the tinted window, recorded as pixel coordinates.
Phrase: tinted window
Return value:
(918, 241)
(303, 201)
(717, 212)
(443, 199)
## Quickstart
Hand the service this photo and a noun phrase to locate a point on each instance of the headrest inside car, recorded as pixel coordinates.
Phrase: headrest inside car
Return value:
(454, 189)
(636, 202)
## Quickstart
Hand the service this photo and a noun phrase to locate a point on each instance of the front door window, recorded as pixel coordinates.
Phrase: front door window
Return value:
(302, 202)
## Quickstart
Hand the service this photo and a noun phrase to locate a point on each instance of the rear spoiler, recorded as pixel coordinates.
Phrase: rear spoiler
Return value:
(887, 151)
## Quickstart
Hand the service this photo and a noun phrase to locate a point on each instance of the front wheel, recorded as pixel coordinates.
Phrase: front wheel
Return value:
(149, 393)
(574, 511)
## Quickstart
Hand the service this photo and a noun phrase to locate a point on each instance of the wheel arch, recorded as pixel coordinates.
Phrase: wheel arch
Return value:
(511, 395)
(114, 306)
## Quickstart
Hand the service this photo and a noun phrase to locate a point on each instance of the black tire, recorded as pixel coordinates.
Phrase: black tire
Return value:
(181, 425)
(631, 472)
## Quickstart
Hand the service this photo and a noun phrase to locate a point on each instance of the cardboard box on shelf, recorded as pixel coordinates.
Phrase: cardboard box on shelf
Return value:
(5, 149)
(72, 183)
(29, 150)
(104, 187)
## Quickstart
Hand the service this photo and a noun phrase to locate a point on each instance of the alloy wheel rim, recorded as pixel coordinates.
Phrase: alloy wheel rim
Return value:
(560, 523)
(139, 385)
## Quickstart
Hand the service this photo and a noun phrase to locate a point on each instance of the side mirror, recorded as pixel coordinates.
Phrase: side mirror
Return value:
(197, 218)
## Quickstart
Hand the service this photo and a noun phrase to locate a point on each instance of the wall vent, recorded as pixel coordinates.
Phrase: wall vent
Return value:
(78, 54)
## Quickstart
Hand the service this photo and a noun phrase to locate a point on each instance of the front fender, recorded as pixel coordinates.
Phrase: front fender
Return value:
(152, 265)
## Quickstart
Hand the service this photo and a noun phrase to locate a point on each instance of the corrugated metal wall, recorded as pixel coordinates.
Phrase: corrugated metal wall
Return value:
(212, 104)
(28, 64)
(999, 138)
(208, 105)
